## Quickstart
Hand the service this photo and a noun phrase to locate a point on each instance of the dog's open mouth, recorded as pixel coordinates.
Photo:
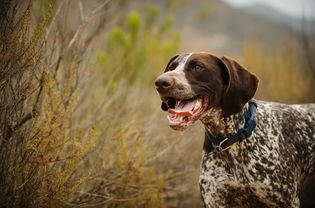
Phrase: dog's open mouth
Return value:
(182, 113)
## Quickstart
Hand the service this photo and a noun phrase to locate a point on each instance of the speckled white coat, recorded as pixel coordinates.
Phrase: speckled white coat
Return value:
(267, 169)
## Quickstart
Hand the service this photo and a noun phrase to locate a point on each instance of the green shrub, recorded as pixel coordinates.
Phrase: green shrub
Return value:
(137, 48)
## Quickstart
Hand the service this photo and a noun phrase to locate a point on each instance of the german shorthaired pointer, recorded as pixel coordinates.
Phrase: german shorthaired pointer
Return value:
(256, 153)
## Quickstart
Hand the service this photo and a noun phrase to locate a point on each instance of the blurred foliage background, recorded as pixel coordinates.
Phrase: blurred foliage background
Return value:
(81, 124)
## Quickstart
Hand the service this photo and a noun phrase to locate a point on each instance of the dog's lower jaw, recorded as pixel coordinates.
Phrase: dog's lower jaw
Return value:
(220, 125)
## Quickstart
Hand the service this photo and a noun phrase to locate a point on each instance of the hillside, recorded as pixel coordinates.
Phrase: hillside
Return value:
(269, 13)
(226, 29)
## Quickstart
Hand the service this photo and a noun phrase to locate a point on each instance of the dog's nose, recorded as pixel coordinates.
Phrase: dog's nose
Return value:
(163, 83)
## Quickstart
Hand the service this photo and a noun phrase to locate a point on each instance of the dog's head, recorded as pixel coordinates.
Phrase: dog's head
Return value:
(195, 82)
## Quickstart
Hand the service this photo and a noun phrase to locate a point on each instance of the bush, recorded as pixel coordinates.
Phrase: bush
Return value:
(40, 153)
(62, 144)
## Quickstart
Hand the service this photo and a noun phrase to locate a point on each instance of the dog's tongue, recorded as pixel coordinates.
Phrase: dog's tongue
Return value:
(184, 107)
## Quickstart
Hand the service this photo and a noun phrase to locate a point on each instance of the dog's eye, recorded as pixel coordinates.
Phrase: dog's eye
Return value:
(197, 68)
(171, 68)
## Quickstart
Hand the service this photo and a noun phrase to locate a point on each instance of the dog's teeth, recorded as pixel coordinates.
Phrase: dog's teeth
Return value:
(197, 106)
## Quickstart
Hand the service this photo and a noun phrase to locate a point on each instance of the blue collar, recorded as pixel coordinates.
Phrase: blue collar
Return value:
(218, 144)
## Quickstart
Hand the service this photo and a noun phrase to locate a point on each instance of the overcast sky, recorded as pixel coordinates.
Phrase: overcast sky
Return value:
(296, 8)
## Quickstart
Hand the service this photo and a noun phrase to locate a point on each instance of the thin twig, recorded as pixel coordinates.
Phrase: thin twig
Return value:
(84, 22)
(53, 19)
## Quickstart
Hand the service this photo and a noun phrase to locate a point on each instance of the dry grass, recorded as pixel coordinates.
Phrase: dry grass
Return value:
(282, 74)
(67, 138)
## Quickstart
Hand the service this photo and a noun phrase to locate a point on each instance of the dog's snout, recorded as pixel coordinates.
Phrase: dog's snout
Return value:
(163, 83)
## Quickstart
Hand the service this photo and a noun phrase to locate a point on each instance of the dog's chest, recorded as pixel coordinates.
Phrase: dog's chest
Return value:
(239, 174)
(241, 164)
(228, 175)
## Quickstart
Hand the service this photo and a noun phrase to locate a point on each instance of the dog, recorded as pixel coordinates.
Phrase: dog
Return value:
(255, 153)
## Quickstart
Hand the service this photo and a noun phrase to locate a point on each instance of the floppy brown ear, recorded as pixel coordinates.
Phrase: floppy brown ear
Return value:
(170, 61)
(241, 86)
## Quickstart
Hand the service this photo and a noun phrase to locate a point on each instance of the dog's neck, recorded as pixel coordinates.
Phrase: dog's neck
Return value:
(218, 124)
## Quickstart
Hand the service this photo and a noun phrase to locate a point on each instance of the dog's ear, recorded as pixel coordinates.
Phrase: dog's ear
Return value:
(170, 61)
(241, 86)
